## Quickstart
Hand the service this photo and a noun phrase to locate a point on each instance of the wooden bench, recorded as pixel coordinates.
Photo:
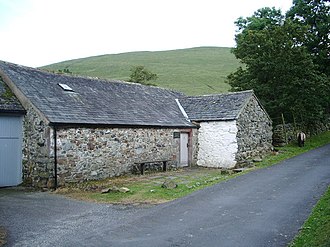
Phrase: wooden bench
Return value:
(143, 164)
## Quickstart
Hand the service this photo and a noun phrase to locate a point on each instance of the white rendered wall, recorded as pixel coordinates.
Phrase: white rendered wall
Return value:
(217, 144)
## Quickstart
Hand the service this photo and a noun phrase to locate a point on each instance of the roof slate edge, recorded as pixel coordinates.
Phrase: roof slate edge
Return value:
(103, 125)
(12, 112)
(182, 110)
(212, 95)
(246, 102)
(214, 119)
(259, 103)
(24, 101)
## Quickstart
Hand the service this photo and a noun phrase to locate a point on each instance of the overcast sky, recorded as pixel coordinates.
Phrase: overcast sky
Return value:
(41, 32)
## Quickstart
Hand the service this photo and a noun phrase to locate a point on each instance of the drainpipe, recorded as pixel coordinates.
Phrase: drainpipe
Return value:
(55, 158)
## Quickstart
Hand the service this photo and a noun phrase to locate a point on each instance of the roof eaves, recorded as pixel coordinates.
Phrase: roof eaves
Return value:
(12, 112)
(214, 119)
(119, 125)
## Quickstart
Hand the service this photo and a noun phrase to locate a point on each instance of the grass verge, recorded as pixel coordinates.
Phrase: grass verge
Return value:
(148, 189)
(316, 230)
(3, 236)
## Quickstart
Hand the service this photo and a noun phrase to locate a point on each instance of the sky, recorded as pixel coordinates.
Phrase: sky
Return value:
(41, 32)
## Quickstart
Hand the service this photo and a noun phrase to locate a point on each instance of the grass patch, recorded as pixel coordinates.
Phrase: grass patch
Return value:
(316, 230)
(292, 149)
(148, 189)
(3, 236)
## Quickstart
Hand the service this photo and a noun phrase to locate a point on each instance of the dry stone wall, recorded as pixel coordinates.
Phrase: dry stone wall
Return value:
(286, 133)
(254, 135)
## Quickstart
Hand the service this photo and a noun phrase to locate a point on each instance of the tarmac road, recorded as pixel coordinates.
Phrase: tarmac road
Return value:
(262, 208)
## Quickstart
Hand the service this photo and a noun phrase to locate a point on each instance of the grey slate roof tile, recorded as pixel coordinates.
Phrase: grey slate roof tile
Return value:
(8, 101)
(95, 101)
(215, 107)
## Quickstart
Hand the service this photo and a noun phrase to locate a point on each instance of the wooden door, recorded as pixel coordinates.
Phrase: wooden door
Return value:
(184, 149)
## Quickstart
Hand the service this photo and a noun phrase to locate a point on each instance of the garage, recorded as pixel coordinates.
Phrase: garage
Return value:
(11, 119)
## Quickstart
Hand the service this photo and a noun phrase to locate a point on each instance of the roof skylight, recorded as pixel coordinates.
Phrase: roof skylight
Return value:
(65, 87)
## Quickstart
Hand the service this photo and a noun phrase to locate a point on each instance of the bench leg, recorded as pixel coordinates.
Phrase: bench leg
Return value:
(142, 168)
(164, 166)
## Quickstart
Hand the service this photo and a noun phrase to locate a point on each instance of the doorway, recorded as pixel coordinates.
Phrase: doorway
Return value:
(10, 150)
(184, 149)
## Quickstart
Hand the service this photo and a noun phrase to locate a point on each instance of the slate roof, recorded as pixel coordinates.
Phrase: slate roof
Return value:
(95, 101)
(215, 107)
(8, 101)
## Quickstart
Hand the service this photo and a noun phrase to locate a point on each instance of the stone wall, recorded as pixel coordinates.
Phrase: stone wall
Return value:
(38, 156)
(254, 135)
(217, 144)
(284, 134)
(194, 146)
(93, 153)
(97, 153)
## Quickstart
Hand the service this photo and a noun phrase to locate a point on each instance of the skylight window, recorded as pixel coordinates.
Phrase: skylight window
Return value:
(65, 87)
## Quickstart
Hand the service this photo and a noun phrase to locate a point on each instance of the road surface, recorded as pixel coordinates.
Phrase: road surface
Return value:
(265, 207)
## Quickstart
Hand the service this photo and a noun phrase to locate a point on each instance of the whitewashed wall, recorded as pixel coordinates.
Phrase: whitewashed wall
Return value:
(217, 144)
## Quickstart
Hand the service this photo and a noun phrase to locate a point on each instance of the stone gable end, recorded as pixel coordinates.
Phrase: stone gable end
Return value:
(254, 135)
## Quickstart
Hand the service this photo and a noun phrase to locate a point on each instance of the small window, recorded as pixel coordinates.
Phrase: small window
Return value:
(65, 87)
(176, 134)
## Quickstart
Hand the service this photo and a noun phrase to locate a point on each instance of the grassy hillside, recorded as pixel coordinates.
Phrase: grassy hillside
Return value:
(193, 71)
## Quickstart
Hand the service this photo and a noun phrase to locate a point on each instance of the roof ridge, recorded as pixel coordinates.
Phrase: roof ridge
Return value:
(219, 94)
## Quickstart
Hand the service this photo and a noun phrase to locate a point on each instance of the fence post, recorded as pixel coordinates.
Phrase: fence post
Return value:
(284, 129)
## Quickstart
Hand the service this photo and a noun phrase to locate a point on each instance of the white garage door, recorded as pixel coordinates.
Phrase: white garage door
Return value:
(10, 150)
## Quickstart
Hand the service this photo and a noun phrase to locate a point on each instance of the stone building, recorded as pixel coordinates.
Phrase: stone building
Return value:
(233, 128)
(78, 128)
(72, 128)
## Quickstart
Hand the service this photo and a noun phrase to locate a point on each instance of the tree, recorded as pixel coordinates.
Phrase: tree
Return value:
(141, 75)
(279, 67)
(64, 71)
(316, 15)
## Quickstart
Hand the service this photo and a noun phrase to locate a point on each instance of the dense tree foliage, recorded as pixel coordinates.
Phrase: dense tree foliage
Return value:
(279, 63)
(140, 74)
(315, 14)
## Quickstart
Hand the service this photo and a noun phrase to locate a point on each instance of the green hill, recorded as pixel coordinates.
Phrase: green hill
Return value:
(193, 71)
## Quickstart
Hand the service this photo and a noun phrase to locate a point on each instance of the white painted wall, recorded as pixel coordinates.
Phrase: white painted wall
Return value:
(217, 144)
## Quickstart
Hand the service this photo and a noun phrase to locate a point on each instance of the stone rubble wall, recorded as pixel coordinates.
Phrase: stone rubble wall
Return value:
(217, 144)
(93, 153)
(194, 146)
(254, 135)
(38, 155)
(286, 133)
(283, 134)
